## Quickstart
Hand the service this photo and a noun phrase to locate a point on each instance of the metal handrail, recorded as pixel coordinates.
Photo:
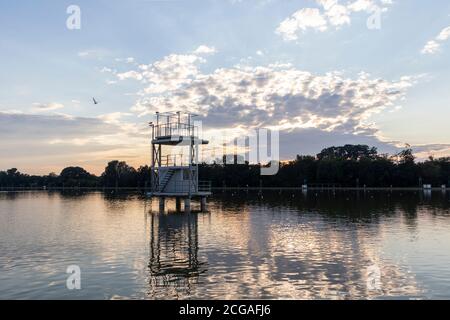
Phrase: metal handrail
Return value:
(186, 186)
(174, 160)
(174, 128)
(204, 186)
(181, 187)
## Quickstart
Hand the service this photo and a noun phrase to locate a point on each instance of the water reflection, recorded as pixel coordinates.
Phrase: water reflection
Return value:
(270, 245)
(174, 263)
(285, 245)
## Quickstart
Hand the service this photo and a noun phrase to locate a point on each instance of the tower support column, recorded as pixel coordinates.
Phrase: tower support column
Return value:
(203, 204)
(187, 205)
(162, 204)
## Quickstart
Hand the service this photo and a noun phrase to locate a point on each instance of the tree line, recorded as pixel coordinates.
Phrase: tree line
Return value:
(117, 174)
(343, 166)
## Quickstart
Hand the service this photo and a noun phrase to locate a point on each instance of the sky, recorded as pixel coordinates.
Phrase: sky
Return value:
(322, 72)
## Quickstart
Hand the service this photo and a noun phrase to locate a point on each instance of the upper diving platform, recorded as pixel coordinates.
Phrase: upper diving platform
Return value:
(172, 128)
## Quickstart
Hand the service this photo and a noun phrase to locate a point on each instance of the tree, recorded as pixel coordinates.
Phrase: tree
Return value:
(343, 165)
(405, 156)
(348, 152)
(143, 176)
(77, 177)
(13, 172)
(119, 174)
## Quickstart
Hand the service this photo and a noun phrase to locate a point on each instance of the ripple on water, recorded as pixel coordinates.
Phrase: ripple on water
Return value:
(306, 247)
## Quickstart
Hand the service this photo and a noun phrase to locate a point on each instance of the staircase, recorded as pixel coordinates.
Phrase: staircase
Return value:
(166, 179)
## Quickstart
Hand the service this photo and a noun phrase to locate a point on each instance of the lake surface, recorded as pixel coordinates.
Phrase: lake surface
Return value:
(278, 245)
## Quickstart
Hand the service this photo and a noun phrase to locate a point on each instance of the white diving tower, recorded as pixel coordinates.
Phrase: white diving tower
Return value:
(175, 174)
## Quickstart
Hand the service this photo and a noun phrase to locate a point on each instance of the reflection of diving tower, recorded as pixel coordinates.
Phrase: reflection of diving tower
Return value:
(176, 174)
(174, 265)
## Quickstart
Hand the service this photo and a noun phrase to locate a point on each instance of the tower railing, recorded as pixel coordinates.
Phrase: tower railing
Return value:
(174, 129)
(204, 186)
(175, 160)
(182, 187)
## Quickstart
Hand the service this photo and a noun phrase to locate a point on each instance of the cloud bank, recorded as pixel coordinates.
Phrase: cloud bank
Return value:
(329, 14)
(38, 143)
(331, 108)
(434, 46)
(277, 96)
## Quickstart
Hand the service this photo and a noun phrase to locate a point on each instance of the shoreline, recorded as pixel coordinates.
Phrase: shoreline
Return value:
(12, 189)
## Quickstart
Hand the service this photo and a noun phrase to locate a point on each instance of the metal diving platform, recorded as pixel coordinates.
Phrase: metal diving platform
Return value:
(174, 168)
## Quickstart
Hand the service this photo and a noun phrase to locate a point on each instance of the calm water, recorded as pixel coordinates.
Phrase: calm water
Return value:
(279, 245)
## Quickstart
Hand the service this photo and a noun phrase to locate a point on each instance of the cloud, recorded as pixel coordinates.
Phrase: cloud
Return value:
(325, 109)
(114, 117)
(47, 107)
(205, 50)
(281, 97)
(97, 54)
(130, 75)
(330, 13)
(126, 60)
(424, 151)
(444, 35)
(83, 53)
(277, 96)
(33, 126)
(434, 46)
(169, 73)
(337, 15)
(39, 143)
(431, 47)
(307, 18)
(363, 5)
(311, 141)
(259, 3)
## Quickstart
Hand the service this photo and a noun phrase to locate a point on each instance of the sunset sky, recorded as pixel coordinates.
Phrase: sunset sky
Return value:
(314, 69)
